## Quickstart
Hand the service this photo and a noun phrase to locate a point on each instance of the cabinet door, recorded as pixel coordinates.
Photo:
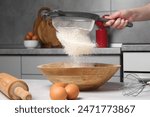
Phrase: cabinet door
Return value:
(136, 61)
(30, 63)
(11, 65)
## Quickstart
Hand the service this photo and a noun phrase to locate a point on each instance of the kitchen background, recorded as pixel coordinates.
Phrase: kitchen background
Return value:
(17, 18)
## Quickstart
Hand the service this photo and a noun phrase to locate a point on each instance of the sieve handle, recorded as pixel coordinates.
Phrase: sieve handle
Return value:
(129, 24)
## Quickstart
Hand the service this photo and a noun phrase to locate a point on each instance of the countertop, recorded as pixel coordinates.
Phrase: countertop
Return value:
(109, 91)
(145, 47)
(52, 51)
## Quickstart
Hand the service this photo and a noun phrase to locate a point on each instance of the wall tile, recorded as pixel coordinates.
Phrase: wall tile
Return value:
(86, 5)
(125, 4)
(139, 33)
(17, 18)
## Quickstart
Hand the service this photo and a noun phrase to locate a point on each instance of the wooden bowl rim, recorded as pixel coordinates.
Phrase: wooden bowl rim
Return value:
(104, 65)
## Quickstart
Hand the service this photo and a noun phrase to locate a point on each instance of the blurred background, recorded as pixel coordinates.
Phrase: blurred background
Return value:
(17, 18)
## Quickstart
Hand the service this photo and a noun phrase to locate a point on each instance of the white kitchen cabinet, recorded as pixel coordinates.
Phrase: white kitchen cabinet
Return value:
(136, 61)
(11, 65)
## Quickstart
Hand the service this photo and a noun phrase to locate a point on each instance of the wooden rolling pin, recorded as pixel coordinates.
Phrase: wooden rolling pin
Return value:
(14, 88)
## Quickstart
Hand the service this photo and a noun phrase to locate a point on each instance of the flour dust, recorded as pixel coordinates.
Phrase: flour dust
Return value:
(76, 42)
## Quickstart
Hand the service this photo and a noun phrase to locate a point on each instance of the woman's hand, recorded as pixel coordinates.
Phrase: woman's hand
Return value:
(119, 19)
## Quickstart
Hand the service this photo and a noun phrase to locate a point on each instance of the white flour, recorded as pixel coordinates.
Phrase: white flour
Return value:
(76, 41)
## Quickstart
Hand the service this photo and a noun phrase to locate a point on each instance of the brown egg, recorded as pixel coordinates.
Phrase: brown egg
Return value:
(58, 93)
(72, 91)
(30, 34)
(34, 37)
(27, 37)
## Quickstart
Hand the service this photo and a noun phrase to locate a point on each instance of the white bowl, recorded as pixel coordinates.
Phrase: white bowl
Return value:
(31, 44)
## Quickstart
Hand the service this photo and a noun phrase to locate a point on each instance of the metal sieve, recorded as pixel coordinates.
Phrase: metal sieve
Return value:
(82, 20)
(73, 22)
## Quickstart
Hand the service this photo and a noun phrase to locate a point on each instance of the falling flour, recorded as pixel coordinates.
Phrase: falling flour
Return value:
(76, 42)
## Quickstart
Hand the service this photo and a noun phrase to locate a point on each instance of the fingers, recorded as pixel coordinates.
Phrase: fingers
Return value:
(115, 15)
(118, 23)
(122, 24)
(116, 20)
(109, 23)
(107, 17)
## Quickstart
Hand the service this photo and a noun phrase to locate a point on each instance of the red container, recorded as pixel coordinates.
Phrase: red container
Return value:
(101, 35)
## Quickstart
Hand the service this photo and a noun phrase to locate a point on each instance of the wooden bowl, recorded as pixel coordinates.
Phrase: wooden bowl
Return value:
(87, 76)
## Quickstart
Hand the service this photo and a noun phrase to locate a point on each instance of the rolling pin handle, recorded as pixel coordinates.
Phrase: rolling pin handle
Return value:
(23, 94)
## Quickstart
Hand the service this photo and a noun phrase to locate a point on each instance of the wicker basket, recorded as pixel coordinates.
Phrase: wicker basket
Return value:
(87, 77)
